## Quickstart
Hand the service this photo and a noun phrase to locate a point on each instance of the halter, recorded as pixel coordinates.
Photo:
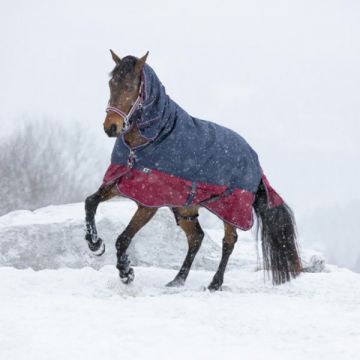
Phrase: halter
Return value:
(136, 105)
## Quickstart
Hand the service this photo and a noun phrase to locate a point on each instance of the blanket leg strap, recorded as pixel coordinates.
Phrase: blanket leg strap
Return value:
(179, 217)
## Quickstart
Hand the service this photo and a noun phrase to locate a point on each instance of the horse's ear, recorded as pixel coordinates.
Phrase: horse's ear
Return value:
(141, 62)
(115, 57)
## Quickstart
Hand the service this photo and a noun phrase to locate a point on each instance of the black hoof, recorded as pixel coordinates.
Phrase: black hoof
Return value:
(128, 277)
(100, 251)
(214, 287)
(176, 283)
(97, 247)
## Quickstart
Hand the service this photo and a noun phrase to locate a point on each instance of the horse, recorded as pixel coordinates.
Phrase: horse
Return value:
(164, 157)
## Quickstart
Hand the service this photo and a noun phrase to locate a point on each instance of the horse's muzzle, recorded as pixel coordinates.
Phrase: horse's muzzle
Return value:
(111, 131)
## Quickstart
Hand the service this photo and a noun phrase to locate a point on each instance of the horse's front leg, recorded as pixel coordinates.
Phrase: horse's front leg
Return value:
(96, 244)
(142, 216)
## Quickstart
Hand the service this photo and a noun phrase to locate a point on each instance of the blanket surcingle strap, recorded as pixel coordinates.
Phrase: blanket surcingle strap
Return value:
(186, 161)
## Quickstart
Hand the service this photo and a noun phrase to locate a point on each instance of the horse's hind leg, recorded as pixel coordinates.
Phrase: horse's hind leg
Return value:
(187, 220)
(91, 204)
(228, 246)
(142, 216)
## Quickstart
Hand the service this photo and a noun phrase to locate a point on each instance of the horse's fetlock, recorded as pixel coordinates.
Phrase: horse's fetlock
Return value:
(123, 264)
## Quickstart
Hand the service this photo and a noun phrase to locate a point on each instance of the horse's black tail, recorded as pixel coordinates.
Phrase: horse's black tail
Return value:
(276, 227)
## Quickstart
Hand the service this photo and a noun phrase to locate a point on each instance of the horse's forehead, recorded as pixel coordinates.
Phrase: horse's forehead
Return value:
(122, 69)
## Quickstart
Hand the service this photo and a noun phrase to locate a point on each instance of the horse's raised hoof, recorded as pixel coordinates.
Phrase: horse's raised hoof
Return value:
(128, 277)
(101, 250)
(97, 247)
(176, 283)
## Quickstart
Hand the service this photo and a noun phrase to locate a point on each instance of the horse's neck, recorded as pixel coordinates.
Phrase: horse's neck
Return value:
(133, 138)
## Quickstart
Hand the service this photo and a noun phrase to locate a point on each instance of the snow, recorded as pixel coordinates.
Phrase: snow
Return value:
(66, 304)
(334, 230)
(53, 237)
(89, 314)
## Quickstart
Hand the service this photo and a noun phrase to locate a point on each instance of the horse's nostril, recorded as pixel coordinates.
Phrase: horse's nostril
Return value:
(111, 131)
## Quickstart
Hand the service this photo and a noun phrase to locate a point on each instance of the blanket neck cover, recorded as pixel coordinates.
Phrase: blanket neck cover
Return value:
(186, 161)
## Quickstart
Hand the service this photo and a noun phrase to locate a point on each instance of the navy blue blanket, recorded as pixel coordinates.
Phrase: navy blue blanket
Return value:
(186, 147)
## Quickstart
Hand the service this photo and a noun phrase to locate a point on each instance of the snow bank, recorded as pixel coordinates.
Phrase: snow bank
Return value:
(53, 237)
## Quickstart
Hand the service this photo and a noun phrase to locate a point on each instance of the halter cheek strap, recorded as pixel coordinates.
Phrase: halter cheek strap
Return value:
(137, 105)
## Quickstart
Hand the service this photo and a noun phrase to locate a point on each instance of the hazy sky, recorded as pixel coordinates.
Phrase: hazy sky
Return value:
(284, 74)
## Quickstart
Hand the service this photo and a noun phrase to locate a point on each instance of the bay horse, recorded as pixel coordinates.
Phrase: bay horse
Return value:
(165, 157)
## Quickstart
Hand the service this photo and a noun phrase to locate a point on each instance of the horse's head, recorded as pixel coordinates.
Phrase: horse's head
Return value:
(124, 90)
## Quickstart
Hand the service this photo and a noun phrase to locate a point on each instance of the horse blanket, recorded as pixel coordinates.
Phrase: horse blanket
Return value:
(186, 161)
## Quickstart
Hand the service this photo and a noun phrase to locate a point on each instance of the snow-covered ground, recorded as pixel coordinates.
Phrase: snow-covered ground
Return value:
(85, 312)
(89, 314)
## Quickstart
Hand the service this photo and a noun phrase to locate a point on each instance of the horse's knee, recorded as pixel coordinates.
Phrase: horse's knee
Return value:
(231, 239)
(92, 201)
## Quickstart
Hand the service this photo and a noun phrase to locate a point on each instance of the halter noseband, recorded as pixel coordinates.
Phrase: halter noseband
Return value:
(137, 105)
